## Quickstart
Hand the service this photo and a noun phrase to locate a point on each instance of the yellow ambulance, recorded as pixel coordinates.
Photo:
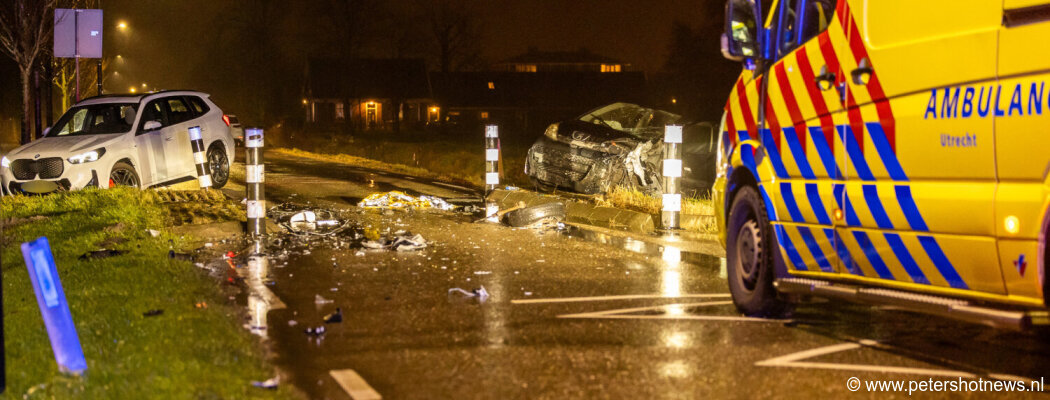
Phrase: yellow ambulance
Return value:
(888, 152)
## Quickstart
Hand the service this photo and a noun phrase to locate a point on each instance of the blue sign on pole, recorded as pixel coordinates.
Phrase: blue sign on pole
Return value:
(53, 306)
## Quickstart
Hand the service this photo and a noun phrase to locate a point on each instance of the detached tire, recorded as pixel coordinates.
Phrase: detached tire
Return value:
(123, 174)
(531, 215)
(219, 165)
(750, 261)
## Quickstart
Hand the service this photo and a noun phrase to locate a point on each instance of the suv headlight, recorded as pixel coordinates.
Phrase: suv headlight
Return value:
(552, 131)
(86, 157)
(4, 162)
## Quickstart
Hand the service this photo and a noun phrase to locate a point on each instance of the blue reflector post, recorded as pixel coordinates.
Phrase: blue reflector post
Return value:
(53, 306)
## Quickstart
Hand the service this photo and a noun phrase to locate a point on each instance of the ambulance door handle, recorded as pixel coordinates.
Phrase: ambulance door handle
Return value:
(862, 74)
(825, 80)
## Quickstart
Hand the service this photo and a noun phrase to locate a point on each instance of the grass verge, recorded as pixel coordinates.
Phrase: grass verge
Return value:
(186, 352)
(631, 199)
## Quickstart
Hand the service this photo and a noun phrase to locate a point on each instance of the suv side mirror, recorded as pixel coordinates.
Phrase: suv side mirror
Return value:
(151, 125)
(739, 40)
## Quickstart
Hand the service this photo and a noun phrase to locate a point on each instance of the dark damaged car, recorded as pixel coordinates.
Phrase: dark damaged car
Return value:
(619, 144)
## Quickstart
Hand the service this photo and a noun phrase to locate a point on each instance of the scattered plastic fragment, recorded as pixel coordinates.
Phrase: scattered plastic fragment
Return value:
(396, 199)
(270, 384)
(480, 293)
(153, 233)
(315, 331)
(335, 317)
(359, 253)
(399, 243)
(101, 254)
(152, 313)
(179, 256)
(321, 300)
(482, 272)
(292, 322)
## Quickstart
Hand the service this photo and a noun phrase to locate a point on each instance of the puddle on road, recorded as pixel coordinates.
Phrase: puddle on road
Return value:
(667, 252)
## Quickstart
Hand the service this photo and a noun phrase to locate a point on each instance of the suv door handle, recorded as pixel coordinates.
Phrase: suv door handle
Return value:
(825, 80)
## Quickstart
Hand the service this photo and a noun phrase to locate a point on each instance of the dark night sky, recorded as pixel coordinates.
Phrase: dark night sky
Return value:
(173, 44)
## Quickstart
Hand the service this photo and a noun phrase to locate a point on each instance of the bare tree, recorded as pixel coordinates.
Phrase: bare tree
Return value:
(455, 34)
(25, 33)
(65, 78)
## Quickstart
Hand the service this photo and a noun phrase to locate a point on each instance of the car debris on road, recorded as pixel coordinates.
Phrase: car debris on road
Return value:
(399, 200)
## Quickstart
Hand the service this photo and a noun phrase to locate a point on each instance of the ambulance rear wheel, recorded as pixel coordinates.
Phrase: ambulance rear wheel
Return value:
(750, 262)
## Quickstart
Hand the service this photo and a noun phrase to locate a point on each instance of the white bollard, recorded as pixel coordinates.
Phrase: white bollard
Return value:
(200, 159)
(256, 197)
(670, 215)
(491, 168)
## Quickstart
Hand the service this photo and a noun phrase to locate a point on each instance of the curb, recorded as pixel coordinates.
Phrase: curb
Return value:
(580, 212)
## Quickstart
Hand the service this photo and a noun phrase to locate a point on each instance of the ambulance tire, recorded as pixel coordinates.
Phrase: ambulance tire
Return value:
(750, 261)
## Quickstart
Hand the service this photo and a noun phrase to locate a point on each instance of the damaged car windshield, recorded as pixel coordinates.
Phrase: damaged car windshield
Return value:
(632, 119)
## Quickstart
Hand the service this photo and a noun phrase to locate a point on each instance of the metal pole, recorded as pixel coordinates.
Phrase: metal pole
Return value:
(672, 200)
(76, 53)
(491, 167)
(199, 159)
(98, 84)
(253, 143)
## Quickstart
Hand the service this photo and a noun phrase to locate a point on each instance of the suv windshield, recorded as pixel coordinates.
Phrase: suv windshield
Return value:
(95, 119)
(632, 119)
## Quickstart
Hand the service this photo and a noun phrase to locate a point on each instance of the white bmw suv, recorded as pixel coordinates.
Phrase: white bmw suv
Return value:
(132, 140)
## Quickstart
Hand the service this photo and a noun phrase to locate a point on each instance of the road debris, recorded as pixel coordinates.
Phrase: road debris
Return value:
(315, 331)
(321, 300)
(400, 200)
(335, 317)
(480, 293)
(539, 216)
(152, 313)
(270, 384)
(402, 242)
(179, 256)
(104, 253)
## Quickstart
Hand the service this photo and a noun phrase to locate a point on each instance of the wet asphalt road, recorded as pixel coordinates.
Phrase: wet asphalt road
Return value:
(576, 313)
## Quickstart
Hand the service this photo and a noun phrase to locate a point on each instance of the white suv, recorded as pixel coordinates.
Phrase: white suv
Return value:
(133, 140)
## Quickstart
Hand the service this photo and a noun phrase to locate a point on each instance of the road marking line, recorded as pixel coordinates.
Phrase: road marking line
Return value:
(623, 313)
(793, 361)
(469, 190)
(617, 297)
(354, 385)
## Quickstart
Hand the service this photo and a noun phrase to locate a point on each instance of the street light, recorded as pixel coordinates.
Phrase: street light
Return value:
(122, 25)
(132, 89)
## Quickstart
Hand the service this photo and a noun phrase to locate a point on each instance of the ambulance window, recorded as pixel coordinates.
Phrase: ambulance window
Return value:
(804, 20)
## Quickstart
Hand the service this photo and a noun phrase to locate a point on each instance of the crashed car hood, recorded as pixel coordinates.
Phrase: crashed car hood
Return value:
(63, 146)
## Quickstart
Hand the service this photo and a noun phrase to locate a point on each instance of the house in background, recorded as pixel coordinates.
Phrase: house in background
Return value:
(581, 60)
(368, 94)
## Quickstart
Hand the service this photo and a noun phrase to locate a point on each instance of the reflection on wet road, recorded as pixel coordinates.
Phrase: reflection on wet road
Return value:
(577, 313)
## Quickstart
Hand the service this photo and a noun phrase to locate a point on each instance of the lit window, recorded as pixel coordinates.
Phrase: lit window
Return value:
(492, 85)
(610, 67)
(484, 115)
(525, 67)
(340, 111)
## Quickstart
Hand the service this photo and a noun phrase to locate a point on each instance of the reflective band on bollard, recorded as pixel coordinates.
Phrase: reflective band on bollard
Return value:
(670, 215)
(491, 158)
(256, 197)
(199, 157)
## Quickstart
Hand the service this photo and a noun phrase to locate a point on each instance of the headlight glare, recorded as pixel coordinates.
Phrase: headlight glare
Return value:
(4, 162)
(86, 157)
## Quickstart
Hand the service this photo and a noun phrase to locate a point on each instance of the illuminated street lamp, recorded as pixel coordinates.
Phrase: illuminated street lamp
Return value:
(123, 26)
(132, 89)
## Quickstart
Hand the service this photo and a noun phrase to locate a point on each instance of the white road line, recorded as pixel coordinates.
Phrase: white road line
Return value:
(624, 313)
(618, 297)
(453, 186)
(793, 361)
(354, 385)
